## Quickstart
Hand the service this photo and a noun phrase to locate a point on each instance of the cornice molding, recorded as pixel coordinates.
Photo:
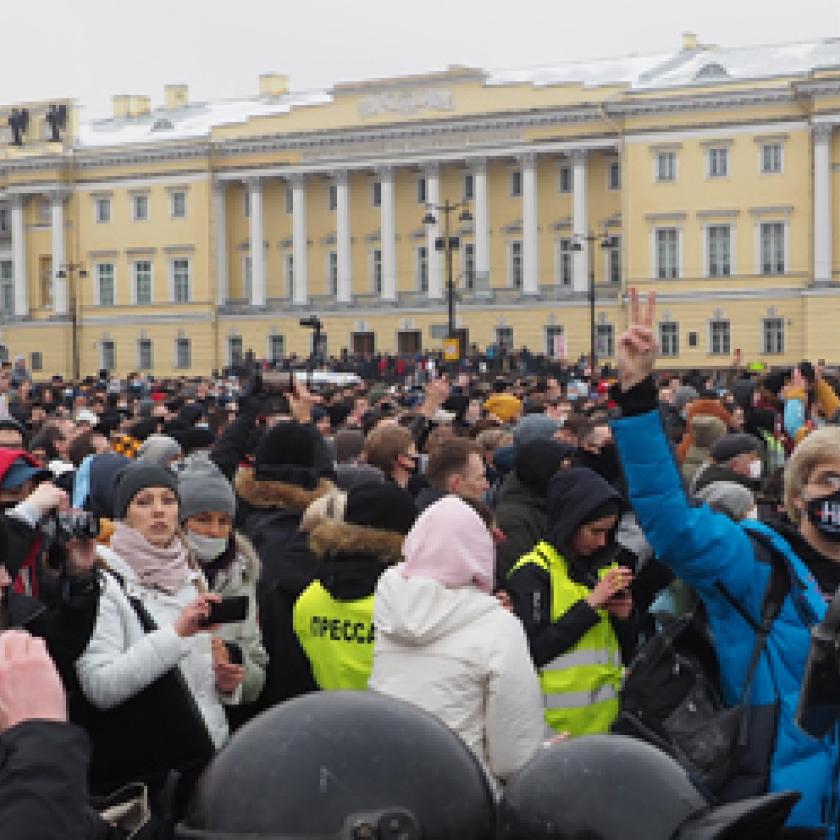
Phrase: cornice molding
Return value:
(698, 102)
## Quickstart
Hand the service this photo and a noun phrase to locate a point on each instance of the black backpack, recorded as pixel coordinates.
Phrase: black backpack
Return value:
(672, 699)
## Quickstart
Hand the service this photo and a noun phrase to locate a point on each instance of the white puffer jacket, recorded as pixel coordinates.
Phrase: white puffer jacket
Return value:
(458, 654)
(121, 660)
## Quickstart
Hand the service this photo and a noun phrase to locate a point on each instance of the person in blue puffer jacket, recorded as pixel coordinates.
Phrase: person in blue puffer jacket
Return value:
(711, 552)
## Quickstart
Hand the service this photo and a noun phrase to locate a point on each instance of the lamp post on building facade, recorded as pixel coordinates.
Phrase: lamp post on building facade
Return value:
(607, 242)
(447, 244)
(71, 271)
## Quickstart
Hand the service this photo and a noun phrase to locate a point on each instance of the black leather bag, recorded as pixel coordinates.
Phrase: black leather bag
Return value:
(671, 699)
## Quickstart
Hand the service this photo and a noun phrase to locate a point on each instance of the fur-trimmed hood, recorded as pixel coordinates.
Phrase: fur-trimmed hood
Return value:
(265, 494)
(248, 553)
(334, 538)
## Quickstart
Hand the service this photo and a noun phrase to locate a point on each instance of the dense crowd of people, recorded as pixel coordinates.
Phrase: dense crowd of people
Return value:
(495, 542)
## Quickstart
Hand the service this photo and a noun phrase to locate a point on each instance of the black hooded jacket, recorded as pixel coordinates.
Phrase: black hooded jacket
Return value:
(351, 559)
(573, 496)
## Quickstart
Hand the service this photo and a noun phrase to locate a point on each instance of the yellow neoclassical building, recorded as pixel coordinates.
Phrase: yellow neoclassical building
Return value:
(173, 238)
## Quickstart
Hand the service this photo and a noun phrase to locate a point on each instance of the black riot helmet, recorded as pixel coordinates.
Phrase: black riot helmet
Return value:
(608, 787)
(342, 765)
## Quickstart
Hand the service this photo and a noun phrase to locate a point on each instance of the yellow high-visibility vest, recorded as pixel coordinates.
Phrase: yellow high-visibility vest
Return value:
(581, 686)
(337, 637)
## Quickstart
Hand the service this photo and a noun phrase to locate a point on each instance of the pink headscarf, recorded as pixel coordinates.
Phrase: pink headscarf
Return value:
(450, 543)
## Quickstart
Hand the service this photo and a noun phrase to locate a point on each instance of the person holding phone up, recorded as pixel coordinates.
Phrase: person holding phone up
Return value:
(153, 696)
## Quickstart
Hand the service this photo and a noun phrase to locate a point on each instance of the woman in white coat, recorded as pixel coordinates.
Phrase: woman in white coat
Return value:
(446, 644)
(153, 697)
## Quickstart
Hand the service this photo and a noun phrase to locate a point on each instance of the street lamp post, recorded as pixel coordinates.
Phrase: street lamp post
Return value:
(447, 244)
(607, 242)
(69, 271)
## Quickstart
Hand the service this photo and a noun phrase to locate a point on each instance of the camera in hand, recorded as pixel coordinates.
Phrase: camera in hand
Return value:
(59, 528)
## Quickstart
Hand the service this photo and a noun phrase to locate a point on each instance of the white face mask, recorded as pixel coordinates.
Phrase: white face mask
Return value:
(205, 549)
(755, 470)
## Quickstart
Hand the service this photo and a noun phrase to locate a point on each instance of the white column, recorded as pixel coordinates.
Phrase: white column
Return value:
(255, 207)
(530, 237)
(342, 236)
(59, 258)
(220, 233)
(388, 234)
(19, 256)
(300, 242)
(481, 223)
(433, 232)
(822, 204)
(580, 221)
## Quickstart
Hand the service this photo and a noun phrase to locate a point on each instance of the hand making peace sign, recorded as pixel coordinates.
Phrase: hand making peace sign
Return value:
(637, 346)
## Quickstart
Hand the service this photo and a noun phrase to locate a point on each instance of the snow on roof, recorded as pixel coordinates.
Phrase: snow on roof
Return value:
(685, 67)
(190, 122)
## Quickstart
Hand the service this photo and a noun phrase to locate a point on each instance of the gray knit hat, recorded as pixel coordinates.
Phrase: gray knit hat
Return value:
(159, 449)
(203, 488)
(535, 427)
(733, 499)
(138, 476)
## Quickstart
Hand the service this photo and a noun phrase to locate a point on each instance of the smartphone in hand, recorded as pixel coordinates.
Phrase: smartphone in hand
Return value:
(228, 611)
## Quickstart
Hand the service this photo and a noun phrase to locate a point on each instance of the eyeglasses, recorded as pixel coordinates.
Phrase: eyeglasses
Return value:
(827, 481)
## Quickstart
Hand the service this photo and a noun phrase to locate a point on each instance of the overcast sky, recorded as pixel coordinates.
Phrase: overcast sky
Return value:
(92, 49)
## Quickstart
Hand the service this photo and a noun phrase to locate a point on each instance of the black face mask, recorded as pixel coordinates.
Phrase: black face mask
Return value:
(824, 513)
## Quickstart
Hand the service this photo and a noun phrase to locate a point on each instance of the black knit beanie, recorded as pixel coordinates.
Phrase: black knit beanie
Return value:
(537, 461)
(136, 477)
(386, 507)
(287, 452)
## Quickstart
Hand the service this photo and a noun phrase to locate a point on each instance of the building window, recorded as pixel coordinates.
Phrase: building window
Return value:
(719, 339)
(4, 219)
(555, 342)
(719, 250)
(332, 198)
(376, 193)
(7, 287)
(276, 348)
(376, 271)
(772, 247)
(516, 183)
(469, 187)
(43, 211)
(667, 253)
(181, 280)
(103, 210)
(564, 262)
(614, 261)
(332, 273)
(604, 341)
(669, 338)
(145, 356)
(140, 205)
(108, 355)
(504, 338)
(421, 190)
(183, 353)
(143, 282)
(515, 267)
(771, 158)
(773, 336)
(247, 277)
(666, 166)
(565, 179)
(246, 203)
(718, 162)
(36, 360)
(105, 284)
(289, 199)
(235, 354)
(178, 204)
(45, 273)
(468, 269)
(614, 175)
(423, 268)
(290, 273)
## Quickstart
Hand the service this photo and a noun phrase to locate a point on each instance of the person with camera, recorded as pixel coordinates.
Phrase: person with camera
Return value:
(152, 699)
(734, 567)
(59, 571)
